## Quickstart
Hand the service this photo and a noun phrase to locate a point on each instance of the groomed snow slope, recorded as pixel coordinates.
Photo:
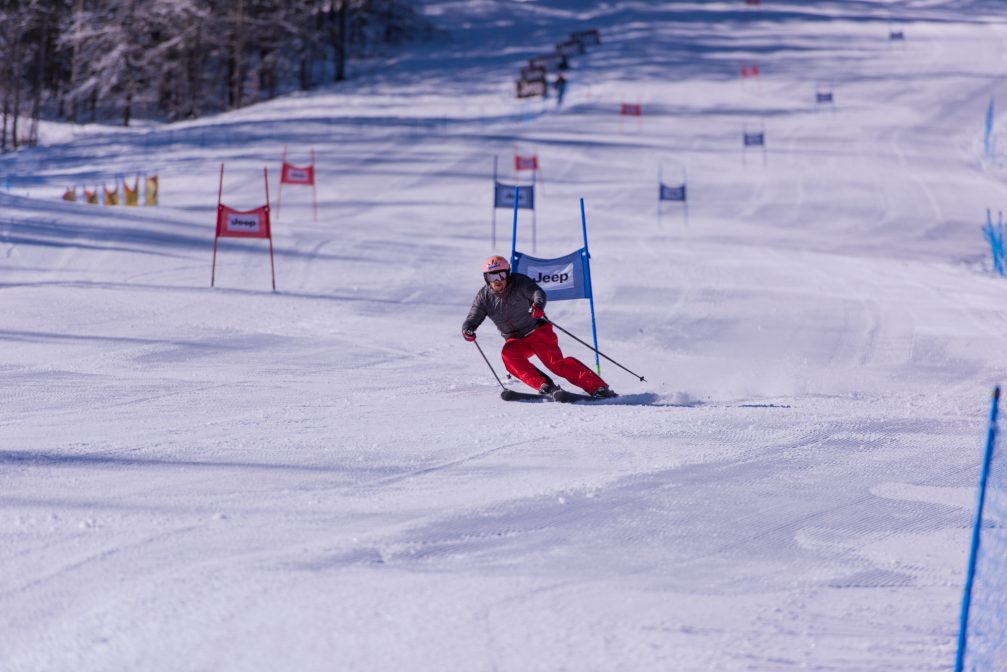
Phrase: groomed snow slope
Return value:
(324, 478)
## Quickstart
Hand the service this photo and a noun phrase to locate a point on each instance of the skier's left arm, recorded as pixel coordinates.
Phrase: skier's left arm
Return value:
(537, 309)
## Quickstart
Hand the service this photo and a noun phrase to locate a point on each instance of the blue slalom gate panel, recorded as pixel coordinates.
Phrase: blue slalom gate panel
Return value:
(562, 278)
(668, 193)
(504, 196)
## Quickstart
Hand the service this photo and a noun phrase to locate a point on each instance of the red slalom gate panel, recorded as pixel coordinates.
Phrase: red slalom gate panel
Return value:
(631, 110)
(302, 175)
(297, 174)
(232, 223)
(525, 162)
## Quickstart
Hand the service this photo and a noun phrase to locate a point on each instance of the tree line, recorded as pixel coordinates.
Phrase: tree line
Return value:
(90, 60)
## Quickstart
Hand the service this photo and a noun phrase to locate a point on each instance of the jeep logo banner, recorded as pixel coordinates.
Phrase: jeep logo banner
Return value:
(503, 196)
(562, 278)
(297, 175)
(242, 224)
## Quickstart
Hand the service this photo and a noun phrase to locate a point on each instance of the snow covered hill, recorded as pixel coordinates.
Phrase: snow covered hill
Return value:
(324, 478)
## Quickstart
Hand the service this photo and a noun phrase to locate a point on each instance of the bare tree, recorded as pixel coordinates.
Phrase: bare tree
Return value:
(177, 58)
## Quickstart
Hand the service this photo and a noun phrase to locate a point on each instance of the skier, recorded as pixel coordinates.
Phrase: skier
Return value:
(516, 304)
(560, 85)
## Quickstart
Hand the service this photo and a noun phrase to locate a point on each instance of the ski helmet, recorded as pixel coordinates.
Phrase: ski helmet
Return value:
(496, 263)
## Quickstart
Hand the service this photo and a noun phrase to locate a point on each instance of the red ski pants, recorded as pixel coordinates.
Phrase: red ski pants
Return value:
(543, 344)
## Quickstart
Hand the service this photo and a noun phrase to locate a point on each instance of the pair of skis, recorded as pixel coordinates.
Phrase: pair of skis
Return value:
(562, 396)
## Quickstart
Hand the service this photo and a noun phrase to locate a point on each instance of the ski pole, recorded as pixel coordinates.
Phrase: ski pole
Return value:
(489, 365)
(642, 379)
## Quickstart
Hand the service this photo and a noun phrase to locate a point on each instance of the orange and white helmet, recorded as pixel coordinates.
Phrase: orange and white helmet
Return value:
(496, 263)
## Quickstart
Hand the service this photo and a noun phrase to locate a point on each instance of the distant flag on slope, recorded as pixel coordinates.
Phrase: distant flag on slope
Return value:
(302, 175)
(70, 194)
(131, 196)
(525, 162)
(677, 193)
(516, 196)
(753, 139)
(111, 197)
(669, 193)
(150, 191)
(528, 161)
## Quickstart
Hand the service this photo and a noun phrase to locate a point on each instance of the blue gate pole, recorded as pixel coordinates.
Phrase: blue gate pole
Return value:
(974, 550)
(493, 234)
(660, 192)
(685, 197)
(534, 218)
(513, 238)
(590, 289)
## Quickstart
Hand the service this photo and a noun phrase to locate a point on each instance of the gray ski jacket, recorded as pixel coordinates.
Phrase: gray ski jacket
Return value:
(509, 308)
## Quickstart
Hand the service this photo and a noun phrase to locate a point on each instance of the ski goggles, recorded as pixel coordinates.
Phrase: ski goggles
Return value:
(495, 276)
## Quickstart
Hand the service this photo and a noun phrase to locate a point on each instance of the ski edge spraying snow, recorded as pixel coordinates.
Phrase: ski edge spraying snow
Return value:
(566, 397)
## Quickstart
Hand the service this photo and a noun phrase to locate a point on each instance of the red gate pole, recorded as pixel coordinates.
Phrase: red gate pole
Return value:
(213, 270)
(314, 191)
(265, 177)
(216, 230)
(271, 266)
(534, 222)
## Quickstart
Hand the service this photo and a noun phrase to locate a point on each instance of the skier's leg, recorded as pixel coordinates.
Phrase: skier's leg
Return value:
(545, 345)
(515, 354)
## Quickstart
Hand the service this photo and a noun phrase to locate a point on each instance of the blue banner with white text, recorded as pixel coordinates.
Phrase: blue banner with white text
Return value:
(503, 196)
(562, 278)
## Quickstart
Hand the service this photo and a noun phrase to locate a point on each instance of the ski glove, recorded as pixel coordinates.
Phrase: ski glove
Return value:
(537, 312)
(468, 335)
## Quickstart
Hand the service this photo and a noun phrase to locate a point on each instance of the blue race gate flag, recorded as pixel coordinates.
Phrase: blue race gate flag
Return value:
(503, 196)
(755, 139)
(672, 193)
(562, 278)
(823, 97)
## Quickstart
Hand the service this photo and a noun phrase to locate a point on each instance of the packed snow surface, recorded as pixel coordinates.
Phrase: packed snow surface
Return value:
(325, 478)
